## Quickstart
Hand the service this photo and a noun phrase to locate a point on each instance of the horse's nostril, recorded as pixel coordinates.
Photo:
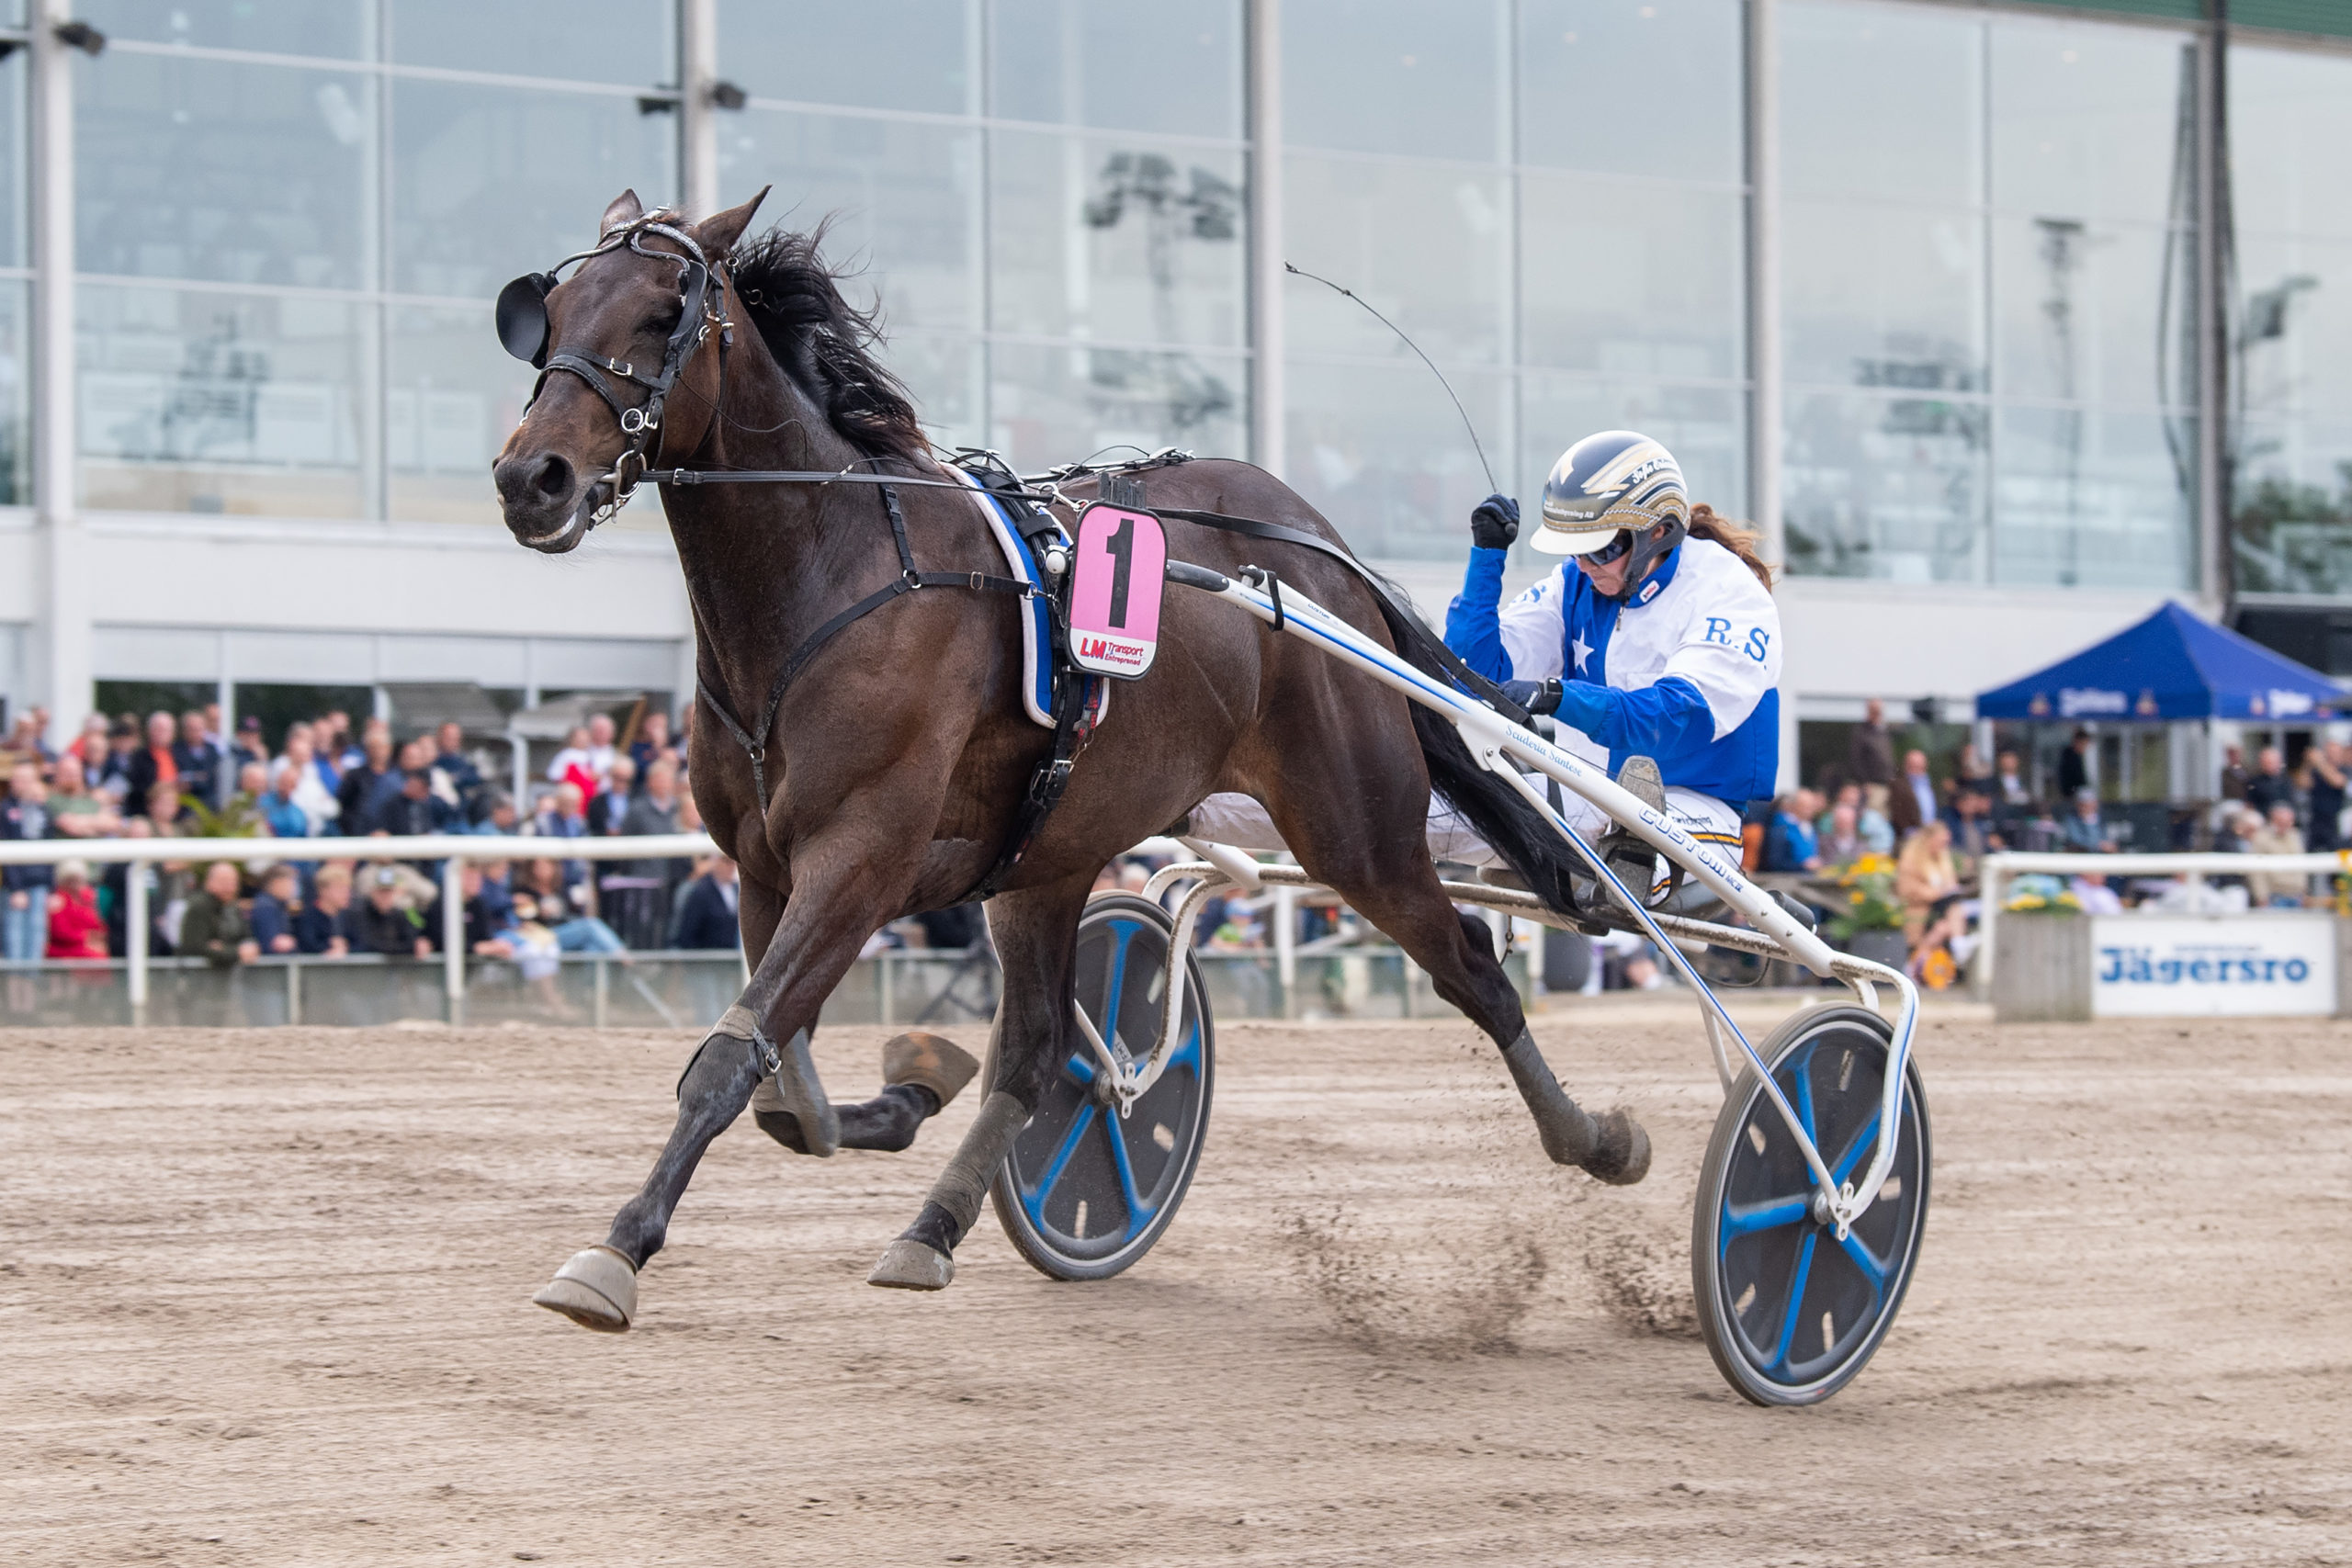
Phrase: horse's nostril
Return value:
(553, 478)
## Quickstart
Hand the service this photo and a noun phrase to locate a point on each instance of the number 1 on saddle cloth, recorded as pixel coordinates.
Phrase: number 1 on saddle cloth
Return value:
(1115, 587)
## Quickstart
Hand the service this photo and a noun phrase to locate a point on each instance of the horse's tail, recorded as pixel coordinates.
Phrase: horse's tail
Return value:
(1496, 812)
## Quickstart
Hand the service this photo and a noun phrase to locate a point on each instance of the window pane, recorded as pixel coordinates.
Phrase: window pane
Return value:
(2292, 514)
(901, 202)
(631, 41)
(1625, 278)
(2092, 121)
(1110, 240)
(2092, 498)
(1585, 105)
(205, 401)
(1884, 296)
(1425, 77)
(1885, 487)
(2095, 314)
(1704, 428)
(883, 54)
(1428, 246)
(2295, 327)
(2290, 121)
(16, 398)
(234, 173)
(492, 181)
(944, 375)
(1058, 405)
(1881, 102)
(1077, 63)
(453, 397)
(12, 160)
(1380, 452)
(335, 29)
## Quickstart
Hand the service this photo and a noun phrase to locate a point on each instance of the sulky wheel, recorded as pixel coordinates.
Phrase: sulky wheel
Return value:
(1790, 1312)
(1084, 1192)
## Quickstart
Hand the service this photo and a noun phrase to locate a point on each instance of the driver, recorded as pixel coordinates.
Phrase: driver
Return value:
(1656, 644)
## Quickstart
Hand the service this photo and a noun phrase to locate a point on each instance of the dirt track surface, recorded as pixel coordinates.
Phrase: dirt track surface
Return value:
(264, 1299)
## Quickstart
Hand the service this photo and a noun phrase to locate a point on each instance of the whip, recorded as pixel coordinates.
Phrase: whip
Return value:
(1475, 443)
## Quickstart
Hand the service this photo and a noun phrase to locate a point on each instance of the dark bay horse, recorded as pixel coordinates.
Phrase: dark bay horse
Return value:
(895, 760)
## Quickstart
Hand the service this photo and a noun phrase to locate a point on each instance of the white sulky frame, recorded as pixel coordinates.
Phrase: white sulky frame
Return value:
(1506, 748)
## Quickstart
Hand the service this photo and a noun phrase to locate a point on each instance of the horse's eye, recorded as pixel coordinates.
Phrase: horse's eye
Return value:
(664, 323)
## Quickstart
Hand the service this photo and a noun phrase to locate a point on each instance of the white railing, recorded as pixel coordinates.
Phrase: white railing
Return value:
(2190, 868)
(452, 850)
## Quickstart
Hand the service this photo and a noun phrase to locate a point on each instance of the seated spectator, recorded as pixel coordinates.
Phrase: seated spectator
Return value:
(214, 927)
(384, 924)
(2274, 834)
(1924, 877)
(417, 811)
(153, 770)
(561, 905)
(498, 892)
(1789, 843)
(325, 926)
(112, 778)
(2084, 833)
(199, 761)
(607, 811)
(708, 909)
(1877, 833)
(1972, 834)
(284, 814)
(79, 814)
(497, 817)
(275, 909)
(76, 930)
(563, 814)
(1912, 805)
(245, 806)
(24, 909)
(370, 789)
(1841, 843)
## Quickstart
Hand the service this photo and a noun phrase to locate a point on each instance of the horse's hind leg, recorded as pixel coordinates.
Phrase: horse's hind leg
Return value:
(1383, 868)
(1036, 940)
(921, 1072)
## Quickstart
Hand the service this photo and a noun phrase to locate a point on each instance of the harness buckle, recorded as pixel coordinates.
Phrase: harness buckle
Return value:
(759, 755)
(619, 369)
(976, 580)
(634, 422)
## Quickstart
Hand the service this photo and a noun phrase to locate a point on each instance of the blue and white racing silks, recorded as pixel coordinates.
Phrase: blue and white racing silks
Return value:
(1686, 671)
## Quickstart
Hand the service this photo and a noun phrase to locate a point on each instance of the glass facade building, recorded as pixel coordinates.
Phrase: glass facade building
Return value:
(1984, 305)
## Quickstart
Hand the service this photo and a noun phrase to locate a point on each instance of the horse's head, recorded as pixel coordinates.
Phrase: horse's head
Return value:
(617, 344)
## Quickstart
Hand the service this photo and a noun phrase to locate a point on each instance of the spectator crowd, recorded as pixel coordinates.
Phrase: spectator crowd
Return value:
(167, 776)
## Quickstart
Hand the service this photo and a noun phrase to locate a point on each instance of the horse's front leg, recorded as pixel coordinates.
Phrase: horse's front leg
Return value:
(1036, 937)
(843, 889)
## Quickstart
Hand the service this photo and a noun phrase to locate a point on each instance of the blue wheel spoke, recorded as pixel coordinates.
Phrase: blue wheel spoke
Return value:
(1796, 1299)
(1188, 1055)
(1804, 1099)
(1856, 1147)
(1770, 1214)
(1034, 1200)
(1137, 1215)
(1079, 1069)
(1123, 934)
(1867, 1261)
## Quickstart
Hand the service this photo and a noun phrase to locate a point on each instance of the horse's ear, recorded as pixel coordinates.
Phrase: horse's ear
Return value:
(625, 208)
(717, 234)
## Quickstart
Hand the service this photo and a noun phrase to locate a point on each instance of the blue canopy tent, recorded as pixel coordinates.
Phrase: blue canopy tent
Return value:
(2170, 667)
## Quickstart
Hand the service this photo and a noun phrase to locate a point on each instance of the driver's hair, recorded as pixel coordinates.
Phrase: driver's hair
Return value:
(1740, 540)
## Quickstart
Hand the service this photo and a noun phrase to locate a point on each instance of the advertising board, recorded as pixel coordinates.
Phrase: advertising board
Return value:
(2213, 967)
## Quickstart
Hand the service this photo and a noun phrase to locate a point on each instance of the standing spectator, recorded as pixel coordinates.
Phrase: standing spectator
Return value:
(308, 783)
(1913, 803)
(2276, 835)
(643, 916)
(607, 811)
(2269, 786)
(1869, 755)
(77, 812)
(249, 748)
(369, 789)
(214, 927)
(2009, 784)
(253, 790)
(325, 925)
(24, 909)
(2075, 766)
(601, 751)
(92, 745)
(497, 815)
(708, 909)
(416, 810)
(112, 778)
(275, 909)
(116, 880)
(154, 769)
(1971, 773)
(2328, 761)
(455, 781)
(2233, 774)
(575, 765)
(652, 744)
(198, 759)
(76, 930)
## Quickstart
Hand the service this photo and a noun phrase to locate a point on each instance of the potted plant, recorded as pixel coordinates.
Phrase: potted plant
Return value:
(1870, 923)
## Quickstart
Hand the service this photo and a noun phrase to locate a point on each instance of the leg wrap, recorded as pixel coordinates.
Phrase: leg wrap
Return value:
(1568, 1132)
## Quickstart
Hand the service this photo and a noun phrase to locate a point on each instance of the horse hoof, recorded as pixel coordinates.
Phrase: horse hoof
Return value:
(1621, 1156)
(909, 1265)
(932, 1061)
(597, 1289)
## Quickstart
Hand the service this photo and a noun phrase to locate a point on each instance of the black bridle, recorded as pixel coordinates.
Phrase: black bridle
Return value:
(524, 328)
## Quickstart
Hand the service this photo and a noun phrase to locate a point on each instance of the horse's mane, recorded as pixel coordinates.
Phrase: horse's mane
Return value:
(824, 342)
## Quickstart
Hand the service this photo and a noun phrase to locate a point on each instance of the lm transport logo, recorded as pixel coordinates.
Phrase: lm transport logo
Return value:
(1108, 653)
(2141, 968)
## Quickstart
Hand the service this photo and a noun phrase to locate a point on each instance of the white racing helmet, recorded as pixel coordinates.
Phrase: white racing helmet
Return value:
(1605, 496)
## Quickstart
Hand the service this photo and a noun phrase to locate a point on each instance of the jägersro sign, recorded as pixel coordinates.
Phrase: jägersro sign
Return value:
(2240, 965)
